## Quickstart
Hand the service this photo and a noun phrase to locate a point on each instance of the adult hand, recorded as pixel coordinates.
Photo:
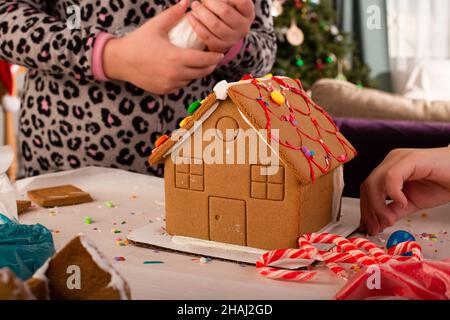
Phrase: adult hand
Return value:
(413, 179)
(221, 24)
(147, 59)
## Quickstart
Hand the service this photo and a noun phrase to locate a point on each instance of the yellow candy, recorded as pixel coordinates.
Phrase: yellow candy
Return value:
(184, 121)
(269, 75)
(277, 97)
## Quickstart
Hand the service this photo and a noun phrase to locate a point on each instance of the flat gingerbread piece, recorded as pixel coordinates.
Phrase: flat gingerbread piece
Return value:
(59, 196)
(22, 206)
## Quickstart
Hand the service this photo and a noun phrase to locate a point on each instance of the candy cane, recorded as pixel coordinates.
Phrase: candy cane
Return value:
(356, 251)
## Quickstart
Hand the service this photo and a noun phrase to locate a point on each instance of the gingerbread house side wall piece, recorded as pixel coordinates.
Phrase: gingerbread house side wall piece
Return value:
(316, 204)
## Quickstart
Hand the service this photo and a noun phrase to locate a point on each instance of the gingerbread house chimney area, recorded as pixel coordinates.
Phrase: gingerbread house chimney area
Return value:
(253, 165)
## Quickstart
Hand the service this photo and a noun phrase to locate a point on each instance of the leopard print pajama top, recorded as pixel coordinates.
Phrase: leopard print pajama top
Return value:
(68, 119)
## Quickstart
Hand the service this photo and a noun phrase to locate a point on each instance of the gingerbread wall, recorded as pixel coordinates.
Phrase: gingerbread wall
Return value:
(235, 203)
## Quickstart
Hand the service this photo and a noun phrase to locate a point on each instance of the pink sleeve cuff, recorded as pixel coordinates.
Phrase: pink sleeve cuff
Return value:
(232, 53)
(97, 56)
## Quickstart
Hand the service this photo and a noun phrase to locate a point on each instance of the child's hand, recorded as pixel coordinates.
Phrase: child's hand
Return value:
(147, 59)
(414, 179)
(221, 24)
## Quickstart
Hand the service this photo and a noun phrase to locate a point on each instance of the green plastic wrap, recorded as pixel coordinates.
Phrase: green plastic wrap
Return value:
(24, 248)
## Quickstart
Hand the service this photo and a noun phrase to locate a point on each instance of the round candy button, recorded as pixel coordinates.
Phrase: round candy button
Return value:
(399, 237)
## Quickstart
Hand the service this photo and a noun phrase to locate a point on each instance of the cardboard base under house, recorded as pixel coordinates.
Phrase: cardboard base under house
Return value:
(154, 236)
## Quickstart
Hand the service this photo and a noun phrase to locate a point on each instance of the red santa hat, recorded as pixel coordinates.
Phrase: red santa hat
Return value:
(6, 78)
(9, 102)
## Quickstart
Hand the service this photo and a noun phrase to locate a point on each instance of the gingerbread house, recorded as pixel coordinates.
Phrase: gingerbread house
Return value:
(258, 199)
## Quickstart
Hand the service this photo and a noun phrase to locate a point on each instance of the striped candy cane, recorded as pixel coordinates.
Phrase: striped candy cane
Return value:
(355, 251)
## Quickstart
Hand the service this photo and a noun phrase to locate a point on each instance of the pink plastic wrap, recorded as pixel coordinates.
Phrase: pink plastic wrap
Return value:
(425, 280)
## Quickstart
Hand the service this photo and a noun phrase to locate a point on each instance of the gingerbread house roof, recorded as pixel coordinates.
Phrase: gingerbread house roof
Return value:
(310, 143)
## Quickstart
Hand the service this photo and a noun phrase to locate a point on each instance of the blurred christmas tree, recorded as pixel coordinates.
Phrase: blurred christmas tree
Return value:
(311, 46)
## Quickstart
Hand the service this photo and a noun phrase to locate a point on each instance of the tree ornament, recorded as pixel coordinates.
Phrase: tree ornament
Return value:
(298, 4)
(331, 58)
(319, 64)
(334, 30)
(277, 8)
(295, 35)
(300, 62)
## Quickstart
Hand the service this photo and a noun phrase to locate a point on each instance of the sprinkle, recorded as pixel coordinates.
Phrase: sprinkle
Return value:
(153, 262)
(109, 204)
(269, 75)
(194, 106)
(123, 222)
(119, 258)
(205, 260)
(342, 158)
(161, 140)
(424, 215)
(133, 197)
(115, 231)
(87, 220)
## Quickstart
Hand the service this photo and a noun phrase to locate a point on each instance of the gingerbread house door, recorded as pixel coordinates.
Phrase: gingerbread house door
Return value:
(227, 221)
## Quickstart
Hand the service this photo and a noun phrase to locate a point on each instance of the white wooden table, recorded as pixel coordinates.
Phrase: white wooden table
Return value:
(138, 199)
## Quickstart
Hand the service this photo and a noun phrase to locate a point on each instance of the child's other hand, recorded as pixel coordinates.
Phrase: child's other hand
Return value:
(147, 59)
(413, 179)
(221, 24)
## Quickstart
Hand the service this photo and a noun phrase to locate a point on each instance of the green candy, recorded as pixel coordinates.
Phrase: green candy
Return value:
(109, 204)
(87, 220)
(194, 106)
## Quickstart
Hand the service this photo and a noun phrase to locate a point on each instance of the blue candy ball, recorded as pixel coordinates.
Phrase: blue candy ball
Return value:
(399, 237)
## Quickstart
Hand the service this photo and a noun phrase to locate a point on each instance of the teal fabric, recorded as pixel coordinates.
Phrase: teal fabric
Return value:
(24, 248)
(366, 21)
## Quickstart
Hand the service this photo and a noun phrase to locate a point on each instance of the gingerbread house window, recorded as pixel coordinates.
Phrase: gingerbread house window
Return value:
(189, 174)
(267, 187)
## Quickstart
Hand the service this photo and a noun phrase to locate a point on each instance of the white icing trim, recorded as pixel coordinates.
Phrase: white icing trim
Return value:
(187, 241)
(41, 272)
(338, 189)
(197, 124)
(117, 281)
(221, 88)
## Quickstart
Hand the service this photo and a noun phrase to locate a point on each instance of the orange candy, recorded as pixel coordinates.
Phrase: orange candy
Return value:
(161, 140)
